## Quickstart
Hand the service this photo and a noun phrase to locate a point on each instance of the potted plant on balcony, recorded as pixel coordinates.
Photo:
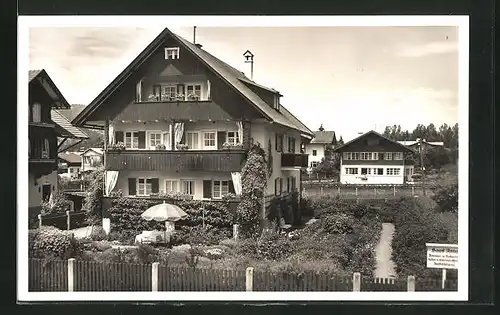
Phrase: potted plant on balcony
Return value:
(229, 146)
(182, 146)
(180, 97)
(152, 98)
(120, 146)
(160, 147)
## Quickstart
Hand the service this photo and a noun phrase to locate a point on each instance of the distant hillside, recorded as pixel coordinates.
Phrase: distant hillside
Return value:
(95, 136)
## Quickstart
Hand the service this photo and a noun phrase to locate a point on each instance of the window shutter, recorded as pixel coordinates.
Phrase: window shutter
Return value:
(207, 189)
(221, 138)
(119, 136)
(276, 186)
(276, 142)
(142, 139)
(155, 185)
(132, 187)
(281, 186)
(231, 187)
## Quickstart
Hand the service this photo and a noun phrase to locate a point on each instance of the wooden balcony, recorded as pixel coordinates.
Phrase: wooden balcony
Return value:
(164, 160)
(294, 160)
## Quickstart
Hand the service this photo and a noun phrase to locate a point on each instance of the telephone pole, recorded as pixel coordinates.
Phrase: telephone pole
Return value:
(421, 149)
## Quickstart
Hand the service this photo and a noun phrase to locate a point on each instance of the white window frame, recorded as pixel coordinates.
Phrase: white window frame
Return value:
(393, 171)
(164, 96)
(398, 156)
(388, 156)
(36, 113)
(221, 190)
(314, 164)
(190, 189)
(174, 185)
(194, 86)
(166, 139)
(347, 155)
(190, 136)
(133, 134)
(205, 147)
(374, 156)
(45, 148)
(174, 51)
(142, 188)
(314, 152)
(235, 139)
(149, 133)
(365, 156)
(351, 171)
(355, 156)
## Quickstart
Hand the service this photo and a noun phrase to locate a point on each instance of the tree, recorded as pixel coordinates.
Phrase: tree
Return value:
(330, 164)
(341, 141)
(446, 196)
(334, 141)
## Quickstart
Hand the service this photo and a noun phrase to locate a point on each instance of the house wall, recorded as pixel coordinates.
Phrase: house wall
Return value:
(35, 190)
(197, 177)
(93, 155)
(320, 153)
(371, 179)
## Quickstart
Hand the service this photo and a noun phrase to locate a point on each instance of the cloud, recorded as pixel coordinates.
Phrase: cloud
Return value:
(422, 50)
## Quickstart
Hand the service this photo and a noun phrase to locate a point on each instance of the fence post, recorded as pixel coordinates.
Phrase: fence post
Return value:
(154, 276)
(40, 221)
(356, 282)
(375, 191)
(235, 231)
(411, 284)
(71, 274)
(106, 225)
(249, 279)
(68, 220)
(394, 190)
(338, 190)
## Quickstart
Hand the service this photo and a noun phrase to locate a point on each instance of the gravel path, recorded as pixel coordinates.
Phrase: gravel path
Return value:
(385, 266)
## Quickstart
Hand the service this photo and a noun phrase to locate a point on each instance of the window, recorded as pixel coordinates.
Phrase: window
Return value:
(315, 152)
(291, 145)
(374, 155)
(168, 93)
(393, 171)
(171, 186)
(314, 164)
(172, 53)
(144, 186)
(232, 137)
(187, 187)
(351, 170)
(380, 171)
(45, 149)
(279, 142)
(37, 112)
(364, 171)
(347, 155)
(131, 139)
(277, 102)
(388, 156)
(220, 188)
(365, 155)
(192, 140)
(154, 139)
(193, 92)
(397, 156)
(209, 140)
(355, 155)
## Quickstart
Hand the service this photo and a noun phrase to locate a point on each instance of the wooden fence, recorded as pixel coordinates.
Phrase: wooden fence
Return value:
(365, 192)
(63, 221)
(90, 276)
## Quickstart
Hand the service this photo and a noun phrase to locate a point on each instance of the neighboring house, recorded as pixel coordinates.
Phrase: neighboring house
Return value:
(316, 148)
(43, 133)
(70, 164)
(374, 159)
(92, 159)
(186, 120)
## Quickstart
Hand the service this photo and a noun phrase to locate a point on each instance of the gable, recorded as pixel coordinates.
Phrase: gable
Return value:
(372, 142)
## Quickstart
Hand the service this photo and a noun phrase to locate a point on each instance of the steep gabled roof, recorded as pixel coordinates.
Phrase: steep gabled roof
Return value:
(323, 137)
(64, 126)
(227, 73)
(60, 101)
(96, 150)
(375, 133)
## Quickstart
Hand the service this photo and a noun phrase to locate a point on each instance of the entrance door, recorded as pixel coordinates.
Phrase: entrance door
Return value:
(46, 190)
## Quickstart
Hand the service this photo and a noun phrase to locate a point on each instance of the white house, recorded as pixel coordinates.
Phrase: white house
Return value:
(92, 159)
(316, 147)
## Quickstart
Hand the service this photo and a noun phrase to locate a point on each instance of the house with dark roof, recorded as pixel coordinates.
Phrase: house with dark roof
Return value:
(178, 119)
(70, 164)
(372, 159)
(316, 148)
(45, 126)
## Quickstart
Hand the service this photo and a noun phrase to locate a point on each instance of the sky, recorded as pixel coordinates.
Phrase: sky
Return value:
(350, 79)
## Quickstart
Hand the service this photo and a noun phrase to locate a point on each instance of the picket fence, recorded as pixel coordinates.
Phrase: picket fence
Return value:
(90, 276)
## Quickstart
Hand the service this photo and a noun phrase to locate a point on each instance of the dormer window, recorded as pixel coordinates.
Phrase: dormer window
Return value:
(276, 102)
(172, 53)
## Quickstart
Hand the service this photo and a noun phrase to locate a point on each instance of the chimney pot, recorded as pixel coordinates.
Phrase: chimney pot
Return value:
(198, 45)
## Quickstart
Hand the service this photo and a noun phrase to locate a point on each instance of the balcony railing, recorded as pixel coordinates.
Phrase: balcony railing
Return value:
(294, 160)
(159, 160)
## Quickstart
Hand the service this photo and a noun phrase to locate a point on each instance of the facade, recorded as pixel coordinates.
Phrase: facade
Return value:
(315, 149)
(43, 133)
(177, 119)
(372, 159)
(92, 159)
(70, 164)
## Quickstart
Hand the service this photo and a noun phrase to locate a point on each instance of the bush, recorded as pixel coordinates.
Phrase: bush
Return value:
(52, 243)
(60, 204)
(97, 233)
(273, 246)
(143, 254)
(92, 201)
(338, 223)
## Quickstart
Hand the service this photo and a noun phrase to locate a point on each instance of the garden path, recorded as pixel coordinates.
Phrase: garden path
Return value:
(384, 264)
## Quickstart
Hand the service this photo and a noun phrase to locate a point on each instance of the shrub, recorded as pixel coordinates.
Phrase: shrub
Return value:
(60, 204)
(338, 223)
(207, 235)
(97, 233)
(92, 201)
(52, 243)
(273, 246)
(446, 196)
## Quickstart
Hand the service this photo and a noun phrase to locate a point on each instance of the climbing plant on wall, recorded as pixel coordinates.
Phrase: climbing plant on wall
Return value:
(270, 158)
(253, 181)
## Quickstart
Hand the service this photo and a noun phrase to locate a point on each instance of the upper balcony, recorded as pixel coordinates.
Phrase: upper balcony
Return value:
(166, 160)
(294, 160)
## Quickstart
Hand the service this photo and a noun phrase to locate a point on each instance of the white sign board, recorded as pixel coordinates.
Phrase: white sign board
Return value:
(442, 256)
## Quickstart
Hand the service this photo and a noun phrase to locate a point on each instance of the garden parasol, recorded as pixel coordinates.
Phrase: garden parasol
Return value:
(164, 212)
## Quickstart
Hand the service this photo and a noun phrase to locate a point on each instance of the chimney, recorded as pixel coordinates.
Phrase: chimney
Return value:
(198, 45)
(194, 35)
